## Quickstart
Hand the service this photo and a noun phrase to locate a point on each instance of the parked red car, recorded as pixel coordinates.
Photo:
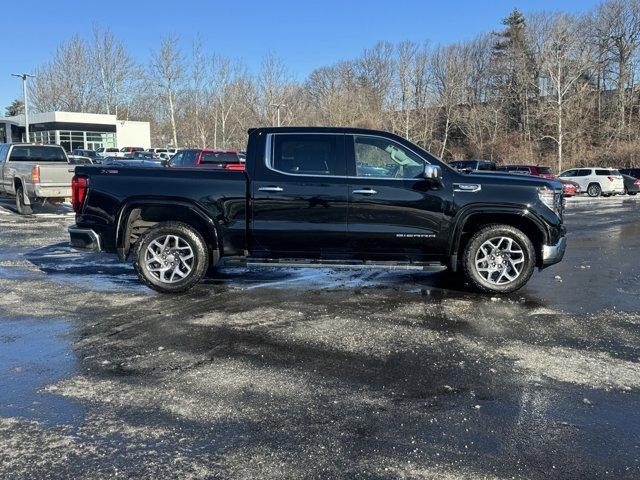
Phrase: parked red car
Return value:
(535, 170)
(207, 158)
(570, 188)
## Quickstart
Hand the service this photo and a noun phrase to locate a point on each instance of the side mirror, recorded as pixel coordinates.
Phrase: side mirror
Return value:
(433, 173)
(165, 163)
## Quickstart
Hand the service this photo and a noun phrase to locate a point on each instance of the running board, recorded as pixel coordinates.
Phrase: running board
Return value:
(292, 263)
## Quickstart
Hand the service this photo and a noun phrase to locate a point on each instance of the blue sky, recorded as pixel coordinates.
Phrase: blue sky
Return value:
(305, 34)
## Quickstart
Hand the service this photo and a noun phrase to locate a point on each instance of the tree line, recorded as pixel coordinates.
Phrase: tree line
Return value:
(550, 88)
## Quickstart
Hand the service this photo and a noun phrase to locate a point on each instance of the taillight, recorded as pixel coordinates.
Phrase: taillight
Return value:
(637, 182)
(35, 174)
(612, 179)
(235, 166)
(78, 192)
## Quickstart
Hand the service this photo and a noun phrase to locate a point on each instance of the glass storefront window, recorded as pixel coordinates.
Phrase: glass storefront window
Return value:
(70, 140)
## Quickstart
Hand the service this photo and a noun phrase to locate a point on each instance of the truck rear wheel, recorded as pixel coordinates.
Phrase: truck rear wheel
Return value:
(171, 257)
(23, 209)
(498, 259)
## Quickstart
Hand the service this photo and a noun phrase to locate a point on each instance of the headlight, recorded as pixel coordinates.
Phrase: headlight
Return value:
(552, 199)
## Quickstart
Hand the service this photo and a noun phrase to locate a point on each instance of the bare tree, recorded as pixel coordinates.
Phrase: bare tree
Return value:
(566, 62)
(448, 68)
(273, 84)
(64, 83)
(115, 69)
(226, 92)
(167, 72)
(617, 24)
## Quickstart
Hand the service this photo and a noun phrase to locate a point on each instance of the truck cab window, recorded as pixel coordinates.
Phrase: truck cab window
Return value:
(189, 158)
(177, 159)
(307, 154)
(384, 158)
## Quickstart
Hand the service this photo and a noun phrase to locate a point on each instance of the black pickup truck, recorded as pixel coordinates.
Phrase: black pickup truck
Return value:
(321, 197)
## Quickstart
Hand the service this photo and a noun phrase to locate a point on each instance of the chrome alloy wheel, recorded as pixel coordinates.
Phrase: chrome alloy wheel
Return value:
(169, 258)
(500, 260)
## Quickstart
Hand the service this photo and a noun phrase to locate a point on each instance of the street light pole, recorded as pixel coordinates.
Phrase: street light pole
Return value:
(24, 77)
(278, 106)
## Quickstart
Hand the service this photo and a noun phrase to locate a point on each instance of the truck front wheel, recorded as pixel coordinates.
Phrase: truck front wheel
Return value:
(23, 209)
(498, 259)
(171, 257)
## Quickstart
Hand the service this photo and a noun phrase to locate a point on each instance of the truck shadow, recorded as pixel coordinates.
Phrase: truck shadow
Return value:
(88, 270)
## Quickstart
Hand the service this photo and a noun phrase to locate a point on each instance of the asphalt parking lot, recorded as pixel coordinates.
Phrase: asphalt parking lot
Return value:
(319, 373)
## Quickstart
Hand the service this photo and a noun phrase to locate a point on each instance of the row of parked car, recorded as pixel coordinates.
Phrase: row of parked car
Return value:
(34, 173)
(594, 181)
(162, 157)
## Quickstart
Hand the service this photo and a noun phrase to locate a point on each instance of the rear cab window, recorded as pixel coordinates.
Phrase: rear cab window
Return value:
(308, 154)
(219, 158)
(37, 153)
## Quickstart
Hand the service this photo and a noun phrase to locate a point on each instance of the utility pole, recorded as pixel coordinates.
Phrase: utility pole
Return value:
(24, 77)
(278, 106)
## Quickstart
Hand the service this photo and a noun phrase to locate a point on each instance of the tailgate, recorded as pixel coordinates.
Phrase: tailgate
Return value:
(56, 174)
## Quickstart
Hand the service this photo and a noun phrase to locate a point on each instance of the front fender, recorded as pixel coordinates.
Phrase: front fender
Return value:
(465, 214)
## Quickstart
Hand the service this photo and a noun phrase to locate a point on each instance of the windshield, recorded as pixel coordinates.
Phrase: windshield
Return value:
(37, 153)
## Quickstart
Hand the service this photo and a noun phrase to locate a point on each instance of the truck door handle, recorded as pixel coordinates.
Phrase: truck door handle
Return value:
(365, 191)
(271, 189)
(467, 187)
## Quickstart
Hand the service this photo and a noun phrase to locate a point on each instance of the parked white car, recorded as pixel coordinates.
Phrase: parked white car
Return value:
(156, 151)
(107, 151)
(596, 181)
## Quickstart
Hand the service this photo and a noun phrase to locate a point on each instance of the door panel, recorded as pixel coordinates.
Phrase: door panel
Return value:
(300, 203)
(393, 211)
(402, 219)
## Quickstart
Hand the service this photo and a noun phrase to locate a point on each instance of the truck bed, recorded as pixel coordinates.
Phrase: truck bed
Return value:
(220, 195)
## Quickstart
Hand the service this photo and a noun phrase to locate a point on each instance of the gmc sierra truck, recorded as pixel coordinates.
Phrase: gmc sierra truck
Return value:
(321, 197)
(34, 173)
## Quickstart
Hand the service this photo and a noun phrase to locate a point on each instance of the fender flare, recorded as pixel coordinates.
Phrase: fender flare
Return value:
(123, 224)
(466, 213)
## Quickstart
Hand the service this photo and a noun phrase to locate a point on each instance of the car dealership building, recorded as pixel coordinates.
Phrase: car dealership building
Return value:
(76, 130)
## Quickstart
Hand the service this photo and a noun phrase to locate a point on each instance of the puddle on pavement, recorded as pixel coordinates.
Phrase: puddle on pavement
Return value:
(33, 354)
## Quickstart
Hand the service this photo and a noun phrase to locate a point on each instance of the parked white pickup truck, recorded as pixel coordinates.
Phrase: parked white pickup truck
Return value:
(34, 173)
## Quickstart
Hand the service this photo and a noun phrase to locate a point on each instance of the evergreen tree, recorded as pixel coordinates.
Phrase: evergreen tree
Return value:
(515, 72)
(16, 108)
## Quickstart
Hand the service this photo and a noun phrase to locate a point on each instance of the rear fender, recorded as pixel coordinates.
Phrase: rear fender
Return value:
(131, 211)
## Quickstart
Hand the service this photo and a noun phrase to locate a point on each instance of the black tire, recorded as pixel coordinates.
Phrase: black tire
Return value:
(21, 207)
(472, 248)
(188, 235)
(594, 190)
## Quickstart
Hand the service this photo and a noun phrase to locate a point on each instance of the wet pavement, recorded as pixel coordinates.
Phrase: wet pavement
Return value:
(319, 373)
